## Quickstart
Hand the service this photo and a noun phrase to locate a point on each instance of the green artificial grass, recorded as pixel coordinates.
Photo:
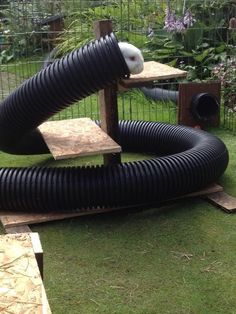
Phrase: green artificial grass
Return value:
(24, 67)
(175, 259)
(132, 105)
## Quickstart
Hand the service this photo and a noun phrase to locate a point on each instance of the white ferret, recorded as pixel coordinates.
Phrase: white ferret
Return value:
(133, 57)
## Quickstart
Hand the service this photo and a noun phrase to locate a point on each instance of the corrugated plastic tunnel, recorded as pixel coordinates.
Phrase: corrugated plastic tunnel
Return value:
(184, 161)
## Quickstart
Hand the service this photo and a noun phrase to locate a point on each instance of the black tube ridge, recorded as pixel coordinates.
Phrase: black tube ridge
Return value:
(190, 159)
(139, 182)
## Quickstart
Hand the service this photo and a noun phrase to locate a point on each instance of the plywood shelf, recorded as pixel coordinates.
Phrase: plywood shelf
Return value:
(153, 71)
(76, 137)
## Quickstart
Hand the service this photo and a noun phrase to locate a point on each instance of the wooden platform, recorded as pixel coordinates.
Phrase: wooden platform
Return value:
(76, 137)
(21, 289)
(223, 200)
(16, 220)
(153, 71)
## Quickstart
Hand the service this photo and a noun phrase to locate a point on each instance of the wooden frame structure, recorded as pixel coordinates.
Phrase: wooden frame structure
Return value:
(14, 222)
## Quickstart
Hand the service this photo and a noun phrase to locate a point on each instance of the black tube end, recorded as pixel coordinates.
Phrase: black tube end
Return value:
(204, 106)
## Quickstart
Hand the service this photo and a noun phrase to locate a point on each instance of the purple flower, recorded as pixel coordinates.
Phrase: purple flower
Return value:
(188, 19)
(180, 24)
(170, 21)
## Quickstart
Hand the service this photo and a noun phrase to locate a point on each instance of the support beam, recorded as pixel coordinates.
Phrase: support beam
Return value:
(108, 100)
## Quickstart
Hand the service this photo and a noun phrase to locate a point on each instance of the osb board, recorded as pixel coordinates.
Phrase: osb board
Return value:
(153, 71)
(21, 289)
(224, 201)
(76, 137)
(10, 220)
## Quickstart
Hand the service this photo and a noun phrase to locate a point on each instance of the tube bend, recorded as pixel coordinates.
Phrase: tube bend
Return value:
(184, 161)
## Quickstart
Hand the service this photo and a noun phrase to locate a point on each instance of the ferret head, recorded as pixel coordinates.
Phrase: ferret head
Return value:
(133, 57)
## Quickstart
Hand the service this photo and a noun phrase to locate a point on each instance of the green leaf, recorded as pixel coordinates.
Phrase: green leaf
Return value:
(220, 48)
(200, 57)
(173, 62)
(9, 58)
(186, 54)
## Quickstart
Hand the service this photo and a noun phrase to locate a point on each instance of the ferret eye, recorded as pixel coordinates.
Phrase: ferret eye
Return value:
(132, 58)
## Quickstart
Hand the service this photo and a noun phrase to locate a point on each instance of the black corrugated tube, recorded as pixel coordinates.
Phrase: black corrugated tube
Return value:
(190, 159)
(204, 106)
(75, 76)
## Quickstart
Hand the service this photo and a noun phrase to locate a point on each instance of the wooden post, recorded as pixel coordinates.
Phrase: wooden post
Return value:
(108, 100)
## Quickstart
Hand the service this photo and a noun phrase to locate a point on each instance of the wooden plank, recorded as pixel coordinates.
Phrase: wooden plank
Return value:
(153, 71)
(108, 100)
(14, 219)
(24, 228)
(213, 188)
(10, 220)
(76, 137)
(38, 250)
(223, 200)
(18, 229)
(21, 290)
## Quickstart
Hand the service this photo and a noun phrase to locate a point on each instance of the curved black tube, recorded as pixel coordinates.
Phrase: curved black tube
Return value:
(203, 106)
(157, 93)
(192, 158)
(75, 76)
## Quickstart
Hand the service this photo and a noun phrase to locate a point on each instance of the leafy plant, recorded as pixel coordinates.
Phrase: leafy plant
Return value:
(5, 56)
(226, 73)
(23, 31)
(131, 20)
(198, 47)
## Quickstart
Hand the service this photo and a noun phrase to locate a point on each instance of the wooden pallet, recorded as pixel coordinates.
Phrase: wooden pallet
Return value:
(22, 289)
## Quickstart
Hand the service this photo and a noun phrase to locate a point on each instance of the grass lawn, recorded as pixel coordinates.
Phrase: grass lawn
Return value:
(180, 259)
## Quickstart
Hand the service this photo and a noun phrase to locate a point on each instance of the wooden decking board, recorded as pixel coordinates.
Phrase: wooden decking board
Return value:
(76, 137)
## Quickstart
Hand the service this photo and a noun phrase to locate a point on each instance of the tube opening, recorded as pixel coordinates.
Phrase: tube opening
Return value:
(204, 106)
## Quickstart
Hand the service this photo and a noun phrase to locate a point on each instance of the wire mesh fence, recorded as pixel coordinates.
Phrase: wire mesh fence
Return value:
(194, 35)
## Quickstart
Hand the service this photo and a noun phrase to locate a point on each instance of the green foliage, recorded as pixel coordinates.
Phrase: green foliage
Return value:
(201, 46)
(130, 20)
(132, 105)
(225, 72)
(6, 56)
(196, 50)
(23, 31)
